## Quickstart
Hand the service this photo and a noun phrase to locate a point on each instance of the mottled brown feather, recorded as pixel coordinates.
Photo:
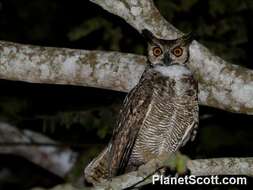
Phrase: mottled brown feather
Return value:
(160, 114)
(130, 120)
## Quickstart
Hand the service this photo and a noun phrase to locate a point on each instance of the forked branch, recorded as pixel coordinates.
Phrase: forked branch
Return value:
(222, 85)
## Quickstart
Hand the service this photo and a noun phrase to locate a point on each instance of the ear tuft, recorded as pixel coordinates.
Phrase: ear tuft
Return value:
(147, 35)
(188, 38)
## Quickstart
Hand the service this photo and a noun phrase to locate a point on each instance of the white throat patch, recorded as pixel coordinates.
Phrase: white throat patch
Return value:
(173, 71)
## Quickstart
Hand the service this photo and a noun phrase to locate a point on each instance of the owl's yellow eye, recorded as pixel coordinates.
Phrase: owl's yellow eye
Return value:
(177, 51)
(157, 51)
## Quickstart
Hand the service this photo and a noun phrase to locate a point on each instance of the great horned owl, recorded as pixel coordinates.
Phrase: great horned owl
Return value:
(159, 115)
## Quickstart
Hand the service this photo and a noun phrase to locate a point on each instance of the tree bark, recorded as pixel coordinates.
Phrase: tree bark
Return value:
(56, 159)
(199, 167)
(222, 85)
(60, 160)
(108, 70)
(221, 166)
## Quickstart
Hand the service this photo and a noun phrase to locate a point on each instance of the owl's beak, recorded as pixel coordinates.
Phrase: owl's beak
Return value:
(167, 59)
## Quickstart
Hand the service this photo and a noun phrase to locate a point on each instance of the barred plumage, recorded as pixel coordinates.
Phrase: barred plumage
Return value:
(159, 114)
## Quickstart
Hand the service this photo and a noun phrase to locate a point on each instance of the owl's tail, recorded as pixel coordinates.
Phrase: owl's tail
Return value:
(97, 169)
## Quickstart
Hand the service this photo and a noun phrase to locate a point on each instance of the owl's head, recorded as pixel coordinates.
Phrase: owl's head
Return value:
(167, 52)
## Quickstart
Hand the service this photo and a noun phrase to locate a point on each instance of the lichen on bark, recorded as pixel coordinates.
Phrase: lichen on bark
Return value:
(221, 84)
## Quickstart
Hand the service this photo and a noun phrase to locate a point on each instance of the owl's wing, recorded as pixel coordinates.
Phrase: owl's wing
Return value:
(130, 121)
(192, 115)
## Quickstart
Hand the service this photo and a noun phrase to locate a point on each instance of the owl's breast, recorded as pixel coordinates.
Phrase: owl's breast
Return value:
(152, 137)
(167, 119)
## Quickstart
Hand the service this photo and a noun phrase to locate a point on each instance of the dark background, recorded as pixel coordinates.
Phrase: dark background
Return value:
(86, 116)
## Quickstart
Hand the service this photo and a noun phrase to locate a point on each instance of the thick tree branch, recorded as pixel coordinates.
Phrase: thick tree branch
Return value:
(221, 166)
(109, 70)
(58, 160)
(199, 167)
(222, 85)
(120, 72)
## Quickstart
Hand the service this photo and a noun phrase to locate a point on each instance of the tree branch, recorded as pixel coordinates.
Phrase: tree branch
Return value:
(199, 167)
(108, 70)
(221, 166)
(222, 85)
(58, 160)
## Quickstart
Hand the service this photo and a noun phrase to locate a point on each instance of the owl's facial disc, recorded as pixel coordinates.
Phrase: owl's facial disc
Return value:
(167, 52)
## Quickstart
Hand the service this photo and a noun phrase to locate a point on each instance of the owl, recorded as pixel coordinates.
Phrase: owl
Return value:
(159, 115)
